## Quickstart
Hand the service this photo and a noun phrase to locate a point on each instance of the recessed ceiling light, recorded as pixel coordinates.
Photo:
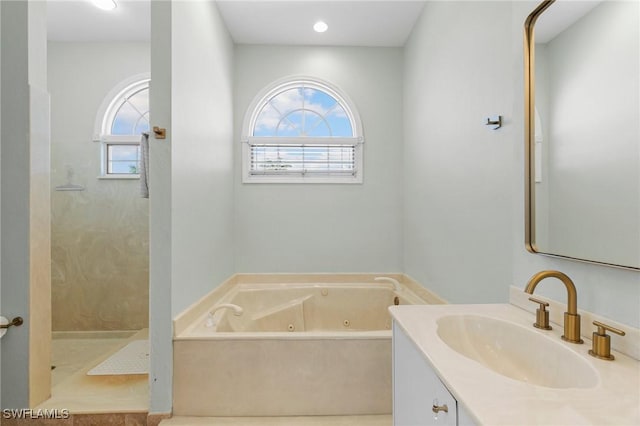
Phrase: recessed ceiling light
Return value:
(105, 4)
(320, 27)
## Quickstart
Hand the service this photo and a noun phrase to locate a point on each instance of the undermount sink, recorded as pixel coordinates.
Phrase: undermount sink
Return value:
(516, 352)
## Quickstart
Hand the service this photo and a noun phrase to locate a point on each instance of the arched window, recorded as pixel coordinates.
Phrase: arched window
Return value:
(302, 130)
(120, 122)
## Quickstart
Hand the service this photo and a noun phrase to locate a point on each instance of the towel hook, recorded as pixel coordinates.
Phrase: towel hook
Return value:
(495, 121)
(159, 132)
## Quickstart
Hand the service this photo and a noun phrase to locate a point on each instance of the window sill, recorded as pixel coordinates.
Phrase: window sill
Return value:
(118, 177)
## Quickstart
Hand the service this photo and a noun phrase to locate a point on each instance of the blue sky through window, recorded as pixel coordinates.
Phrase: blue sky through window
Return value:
(132, 117)
(303, 112)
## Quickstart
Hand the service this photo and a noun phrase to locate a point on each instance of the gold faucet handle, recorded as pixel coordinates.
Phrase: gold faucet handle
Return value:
(542, 315)
(542, 303)
(601, 345)
(603, 327)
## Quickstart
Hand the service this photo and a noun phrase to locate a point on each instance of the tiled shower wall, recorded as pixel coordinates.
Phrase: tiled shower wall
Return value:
(99, 236)
(100, 266)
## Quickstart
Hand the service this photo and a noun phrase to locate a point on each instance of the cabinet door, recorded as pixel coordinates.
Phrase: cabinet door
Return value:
(416, 387)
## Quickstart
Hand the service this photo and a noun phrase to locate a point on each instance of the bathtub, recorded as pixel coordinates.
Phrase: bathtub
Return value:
(297, 349)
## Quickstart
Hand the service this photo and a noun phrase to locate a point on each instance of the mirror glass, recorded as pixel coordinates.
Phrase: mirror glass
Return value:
(583, 131)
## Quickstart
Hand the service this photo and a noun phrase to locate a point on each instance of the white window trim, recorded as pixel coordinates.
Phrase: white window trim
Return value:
(104, 118)
(107, 140)
(289, 83)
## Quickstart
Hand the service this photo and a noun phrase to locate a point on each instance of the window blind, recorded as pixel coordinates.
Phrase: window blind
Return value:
(302, 159)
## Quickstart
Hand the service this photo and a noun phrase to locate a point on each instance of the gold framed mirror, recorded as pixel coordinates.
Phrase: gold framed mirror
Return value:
(582, 127)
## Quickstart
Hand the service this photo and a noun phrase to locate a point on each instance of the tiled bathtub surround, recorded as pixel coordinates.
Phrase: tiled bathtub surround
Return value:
(330, 371)
(266, 377)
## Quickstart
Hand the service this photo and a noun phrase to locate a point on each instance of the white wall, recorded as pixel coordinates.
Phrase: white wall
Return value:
(458, 172)
(202, 155)
(191, 182)
(160, 265)
(325, 227)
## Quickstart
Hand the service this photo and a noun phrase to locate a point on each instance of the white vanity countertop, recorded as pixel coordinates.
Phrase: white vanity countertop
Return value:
(494, 399)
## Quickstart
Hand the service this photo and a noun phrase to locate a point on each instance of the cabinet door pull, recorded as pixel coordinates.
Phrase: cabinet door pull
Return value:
(438, 408)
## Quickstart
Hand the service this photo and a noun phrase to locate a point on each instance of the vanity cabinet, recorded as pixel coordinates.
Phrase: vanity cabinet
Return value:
(417, 388)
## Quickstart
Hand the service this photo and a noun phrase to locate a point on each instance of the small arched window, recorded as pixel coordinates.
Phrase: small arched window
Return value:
(120, 122)
(302, 130)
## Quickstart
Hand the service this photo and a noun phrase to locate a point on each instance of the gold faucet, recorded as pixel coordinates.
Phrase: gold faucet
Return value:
(571, 317)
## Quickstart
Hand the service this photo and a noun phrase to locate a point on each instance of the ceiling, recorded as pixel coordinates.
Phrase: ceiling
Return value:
(80, 20)
(351, 22)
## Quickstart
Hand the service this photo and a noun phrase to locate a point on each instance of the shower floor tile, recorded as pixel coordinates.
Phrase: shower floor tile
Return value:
(69, 355)
(72, 389)
(379, 420)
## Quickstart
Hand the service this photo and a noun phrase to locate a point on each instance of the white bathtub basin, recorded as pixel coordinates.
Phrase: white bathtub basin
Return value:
(516, 352)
